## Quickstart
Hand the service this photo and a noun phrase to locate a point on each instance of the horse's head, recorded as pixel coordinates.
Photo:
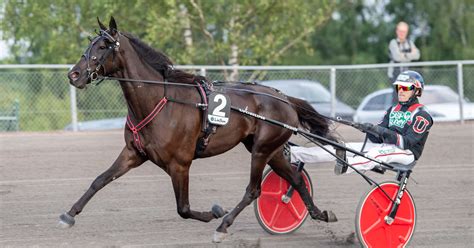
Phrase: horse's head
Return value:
(98, 59)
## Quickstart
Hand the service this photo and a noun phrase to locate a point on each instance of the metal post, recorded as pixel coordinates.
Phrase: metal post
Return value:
(72, 92)
(461, 93)
(17, 114)
(332, 86)
(203, 72)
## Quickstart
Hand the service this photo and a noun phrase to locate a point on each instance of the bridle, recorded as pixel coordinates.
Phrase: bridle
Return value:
(113, 47)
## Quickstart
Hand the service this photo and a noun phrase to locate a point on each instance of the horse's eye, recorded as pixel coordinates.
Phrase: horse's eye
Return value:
(102, 47)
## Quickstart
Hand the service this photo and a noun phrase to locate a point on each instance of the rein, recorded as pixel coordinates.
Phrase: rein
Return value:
(337, 119)
(102, 78)
(115, 46)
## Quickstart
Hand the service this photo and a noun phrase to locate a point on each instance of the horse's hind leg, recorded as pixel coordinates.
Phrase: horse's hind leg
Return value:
(125, 161)
(251, 193)
(281, 166)
(180, 178)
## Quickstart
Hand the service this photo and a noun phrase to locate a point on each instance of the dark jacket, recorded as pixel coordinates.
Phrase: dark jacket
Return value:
(406, 126)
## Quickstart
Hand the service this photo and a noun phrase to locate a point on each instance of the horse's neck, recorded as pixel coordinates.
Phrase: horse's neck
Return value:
(141, 98)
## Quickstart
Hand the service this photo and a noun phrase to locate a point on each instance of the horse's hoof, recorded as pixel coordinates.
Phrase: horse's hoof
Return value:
(218, 211)
(331, 216)
(66, 221)
(326, 216)
(218, 237)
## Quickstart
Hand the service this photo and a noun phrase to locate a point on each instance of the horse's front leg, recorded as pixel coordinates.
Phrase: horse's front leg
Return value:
(180, 178)
(125, 161)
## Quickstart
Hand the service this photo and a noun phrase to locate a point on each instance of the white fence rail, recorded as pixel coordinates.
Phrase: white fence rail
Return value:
(48, 102)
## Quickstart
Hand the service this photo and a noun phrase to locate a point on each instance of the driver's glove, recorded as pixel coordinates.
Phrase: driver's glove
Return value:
(375, 130)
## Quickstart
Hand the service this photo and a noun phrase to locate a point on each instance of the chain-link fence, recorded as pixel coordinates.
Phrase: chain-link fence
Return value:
(39, 98)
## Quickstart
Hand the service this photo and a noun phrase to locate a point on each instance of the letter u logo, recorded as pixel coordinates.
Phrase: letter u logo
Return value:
(420, 124)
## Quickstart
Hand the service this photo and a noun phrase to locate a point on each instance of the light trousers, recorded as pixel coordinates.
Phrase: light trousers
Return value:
(386, 153)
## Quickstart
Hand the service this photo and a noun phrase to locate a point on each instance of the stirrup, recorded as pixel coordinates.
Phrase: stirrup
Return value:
(340, 167)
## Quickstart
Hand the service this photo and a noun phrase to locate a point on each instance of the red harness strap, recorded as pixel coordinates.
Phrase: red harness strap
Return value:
(143, 123)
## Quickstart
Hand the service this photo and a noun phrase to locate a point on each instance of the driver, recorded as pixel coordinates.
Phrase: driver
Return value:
(399, 138)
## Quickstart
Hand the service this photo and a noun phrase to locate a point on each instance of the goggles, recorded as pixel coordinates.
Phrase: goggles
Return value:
(404, 88)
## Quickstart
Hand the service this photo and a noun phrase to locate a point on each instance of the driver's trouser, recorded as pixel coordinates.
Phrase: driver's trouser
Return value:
(386, 153)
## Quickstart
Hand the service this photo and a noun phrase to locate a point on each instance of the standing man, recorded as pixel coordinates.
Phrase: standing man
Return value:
(401, 50)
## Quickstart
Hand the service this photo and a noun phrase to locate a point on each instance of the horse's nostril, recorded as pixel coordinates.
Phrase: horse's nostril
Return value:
(74, 75)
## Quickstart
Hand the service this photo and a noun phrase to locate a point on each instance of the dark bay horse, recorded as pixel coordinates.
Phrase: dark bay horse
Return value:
(168, 136)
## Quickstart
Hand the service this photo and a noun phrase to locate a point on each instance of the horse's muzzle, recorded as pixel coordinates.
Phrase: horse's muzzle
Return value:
(76, 79)
(73, 76)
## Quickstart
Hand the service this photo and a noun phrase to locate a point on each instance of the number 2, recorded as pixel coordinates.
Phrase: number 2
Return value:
(217, 111)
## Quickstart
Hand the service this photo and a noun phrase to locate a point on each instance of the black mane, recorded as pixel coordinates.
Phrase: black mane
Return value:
(160, 62)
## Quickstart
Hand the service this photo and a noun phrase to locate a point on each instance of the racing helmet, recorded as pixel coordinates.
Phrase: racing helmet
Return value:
(411, 79)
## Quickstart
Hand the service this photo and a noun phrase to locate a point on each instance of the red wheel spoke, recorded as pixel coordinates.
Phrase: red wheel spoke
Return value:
(277, 193)
(377, 224)
(271, 194)
(294, 211)
(388, 236)
(275, 216)
(382, 208)
(385, 206)
(403, 221)
(376, 204)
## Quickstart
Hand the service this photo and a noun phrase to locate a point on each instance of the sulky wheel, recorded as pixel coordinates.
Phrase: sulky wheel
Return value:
(273, 214)
(371, 227)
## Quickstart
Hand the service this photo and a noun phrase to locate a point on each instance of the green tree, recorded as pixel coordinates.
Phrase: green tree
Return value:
(355, 34)
(190, 31)
(266, 32)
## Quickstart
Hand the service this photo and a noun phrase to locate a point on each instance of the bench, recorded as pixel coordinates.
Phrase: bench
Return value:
(9, 119)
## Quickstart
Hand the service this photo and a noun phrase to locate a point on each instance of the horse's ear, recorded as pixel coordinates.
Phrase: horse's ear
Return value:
(112, 26)
(101, 25)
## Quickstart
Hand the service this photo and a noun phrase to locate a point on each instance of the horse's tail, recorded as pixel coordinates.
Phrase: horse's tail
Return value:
(309, 118)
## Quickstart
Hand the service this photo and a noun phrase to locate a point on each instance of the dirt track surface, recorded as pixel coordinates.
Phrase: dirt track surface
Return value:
(43, 174)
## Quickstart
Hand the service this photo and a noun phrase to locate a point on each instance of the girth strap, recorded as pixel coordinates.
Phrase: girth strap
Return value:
(136, 128)
(204, 89)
